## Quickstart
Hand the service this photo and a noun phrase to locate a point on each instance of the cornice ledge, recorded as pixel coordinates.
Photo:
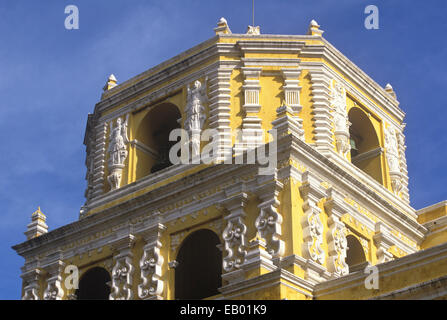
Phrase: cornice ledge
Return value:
(277, 274)
(266, 45)
(386, 269)
(412, 226)
(58, 236)
(356, 74)
(163, 65)
(120, 94)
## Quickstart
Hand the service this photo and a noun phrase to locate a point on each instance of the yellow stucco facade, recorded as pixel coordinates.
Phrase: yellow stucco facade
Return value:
(332, 214)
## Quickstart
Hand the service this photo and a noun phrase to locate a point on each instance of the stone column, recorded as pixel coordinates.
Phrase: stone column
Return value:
(123, 270)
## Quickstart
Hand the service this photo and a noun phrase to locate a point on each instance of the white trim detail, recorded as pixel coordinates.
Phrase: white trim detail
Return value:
(122, 272)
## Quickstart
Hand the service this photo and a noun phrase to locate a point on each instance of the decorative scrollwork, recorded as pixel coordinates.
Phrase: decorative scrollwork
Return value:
(235, 244)
(54, 290)
(122, 279)
(338, 246)
(268, 224)
(151, 268)
(341, 121)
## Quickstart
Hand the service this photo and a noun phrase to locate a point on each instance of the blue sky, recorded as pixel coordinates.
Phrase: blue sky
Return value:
(51, 78)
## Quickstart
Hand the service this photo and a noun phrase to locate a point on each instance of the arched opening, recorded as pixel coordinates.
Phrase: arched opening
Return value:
(199, 271)
(94, 285)
(365, 147)
(355, 254)
(153, 145)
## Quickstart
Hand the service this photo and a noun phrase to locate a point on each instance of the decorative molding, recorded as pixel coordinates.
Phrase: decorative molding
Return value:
(151, 264)
(312, 225)
(383, 242)
(252, 133)
(54, 289)
(234, 233)
(403, 165)
(338, 246)
(176, 239)
(99, 160)
(335, 207)
(31, 285)
(122, 272)
(321, 93)
(292, 92)
(254, 31)
(269, 220)
(195, 114)
(285, 123)
(393, 159)
(340, 116)
(117, 151)
(222, 27)
(219, 108)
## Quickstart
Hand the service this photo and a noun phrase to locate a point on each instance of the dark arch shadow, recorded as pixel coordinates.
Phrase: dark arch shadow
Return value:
(153, 132)
(365, 146)
(199, 271)
(94, 285)
(355, 255)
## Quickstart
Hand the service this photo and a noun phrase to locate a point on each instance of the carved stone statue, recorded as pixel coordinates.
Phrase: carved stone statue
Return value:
(195, 113)
(195, 116)
(117, 152)
(392, 157)
(341, 122)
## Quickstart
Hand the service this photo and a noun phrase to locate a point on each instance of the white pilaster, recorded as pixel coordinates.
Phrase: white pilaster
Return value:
(219, 109)
(234, 234)
(321, 110)
(151, 263)
(252, 133)
(54, 290)
(122, 272)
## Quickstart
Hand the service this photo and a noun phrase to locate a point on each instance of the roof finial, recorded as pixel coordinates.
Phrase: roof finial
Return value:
(314, 29)
(37, 226)
(253, 30)
(390, 90)
(111, 82)
(222, 27)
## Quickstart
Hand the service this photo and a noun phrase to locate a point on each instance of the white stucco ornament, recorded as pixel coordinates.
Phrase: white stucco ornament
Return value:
(117, 152)
(341, 122)
(195, 113)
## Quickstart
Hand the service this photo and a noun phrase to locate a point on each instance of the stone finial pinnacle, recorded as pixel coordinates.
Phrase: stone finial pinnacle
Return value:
(254, 30)
(222, 27)
(390, 90)
(111, 82)
(314, 29)
(37, 226)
